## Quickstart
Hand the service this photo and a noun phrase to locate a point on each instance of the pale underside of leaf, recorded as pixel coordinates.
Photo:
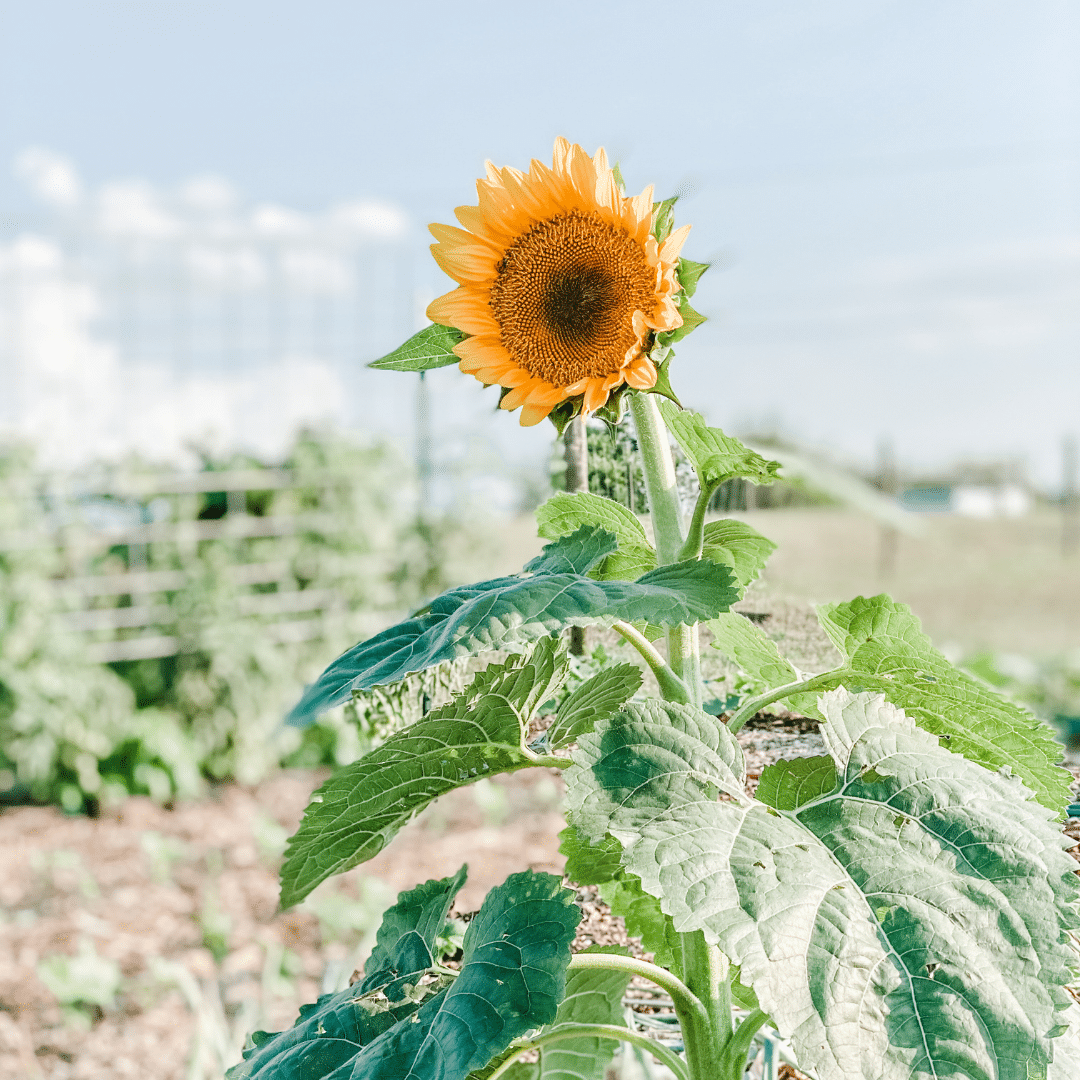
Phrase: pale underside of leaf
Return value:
(907, 925)
(882, 638)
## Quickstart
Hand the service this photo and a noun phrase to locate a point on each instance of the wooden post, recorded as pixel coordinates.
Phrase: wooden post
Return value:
(890, 538)
(576, 454)
(1070, 504)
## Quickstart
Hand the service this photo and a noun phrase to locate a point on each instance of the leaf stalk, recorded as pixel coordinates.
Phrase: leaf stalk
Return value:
(672, 688)
(827, 680)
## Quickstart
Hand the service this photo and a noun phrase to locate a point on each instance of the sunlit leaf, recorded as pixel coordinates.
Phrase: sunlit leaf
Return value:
(595, 699)
(564, 512)
(735, 544)
(432, 347)
(884, 639)
(908, 924)
(716, 457)
(508, 612)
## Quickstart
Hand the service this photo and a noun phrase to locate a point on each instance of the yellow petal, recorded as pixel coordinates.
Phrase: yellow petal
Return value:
(669, 252)
(531, 415)
(466, 309)
(546, 394)
(482, 351)
(465, 266)
(516, 396)
(595, 395)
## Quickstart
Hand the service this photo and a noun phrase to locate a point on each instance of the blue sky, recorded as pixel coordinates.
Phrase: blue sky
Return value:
(891, 190)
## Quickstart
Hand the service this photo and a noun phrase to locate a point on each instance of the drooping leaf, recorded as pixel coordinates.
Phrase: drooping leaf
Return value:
(752, 650)
(405, 941)
(716, 457)
(590, 863)
(564, 512)
(431, 348)
(393, 988)
(593, 996)
(644, 919)
(689, 273)
(884, 639)
(735, 544)
(513, 976)
(786, 785)
(506, 613)
(595, 699)
(909, 925)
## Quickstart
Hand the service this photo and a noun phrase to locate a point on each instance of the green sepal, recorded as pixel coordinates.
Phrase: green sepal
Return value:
(691, 320)
(563, 413)
(432, 347)
(616, 172)
(661, 357)
(664, 218)
(689, 273)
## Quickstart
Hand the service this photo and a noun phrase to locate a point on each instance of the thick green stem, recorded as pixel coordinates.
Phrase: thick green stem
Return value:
(705, 971)
(667, 523)
(672, 688)
(751, 707)
(603, 1031)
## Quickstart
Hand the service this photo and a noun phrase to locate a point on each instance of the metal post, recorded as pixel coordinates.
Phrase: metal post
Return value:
(1070, 504)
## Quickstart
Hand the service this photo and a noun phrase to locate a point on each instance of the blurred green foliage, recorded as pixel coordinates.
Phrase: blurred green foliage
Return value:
(83, 734)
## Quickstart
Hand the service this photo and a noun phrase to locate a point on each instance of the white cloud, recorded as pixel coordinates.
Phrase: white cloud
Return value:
(50, 176)
(134, 208)
(380, 220)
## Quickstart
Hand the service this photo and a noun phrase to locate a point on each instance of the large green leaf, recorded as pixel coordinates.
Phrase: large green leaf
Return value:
(513, 976)
(595, 699)
(593, 996)
(910, 924)
(565, 512)
(735, 544)
(882, 638)
(716, 457)
(507, 612)
(358, 811)
(432, 347)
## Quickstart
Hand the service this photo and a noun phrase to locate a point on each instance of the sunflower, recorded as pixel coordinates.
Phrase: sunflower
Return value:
(562, 284)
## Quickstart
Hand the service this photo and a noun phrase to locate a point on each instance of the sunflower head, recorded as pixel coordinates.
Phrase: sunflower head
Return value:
(562, 284)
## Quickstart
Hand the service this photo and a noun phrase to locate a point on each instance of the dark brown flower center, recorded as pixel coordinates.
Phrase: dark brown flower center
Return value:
(565, 297)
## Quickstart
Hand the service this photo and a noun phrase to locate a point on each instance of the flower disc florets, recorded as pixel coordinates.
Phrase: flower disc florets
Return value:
(562, 284)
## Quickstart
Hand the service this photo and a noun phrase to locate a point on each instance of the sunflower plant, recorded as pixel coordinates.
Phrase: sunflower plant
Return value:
(899, 908)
